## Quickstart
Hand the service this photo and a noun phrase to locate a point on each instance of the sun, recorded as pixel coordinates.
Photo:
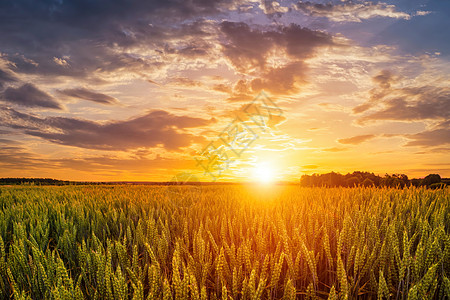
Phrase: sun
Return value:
(263, 173)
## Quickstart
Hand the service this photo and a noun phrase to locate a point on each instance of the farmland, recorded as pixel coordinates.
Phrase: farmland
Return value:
(223, 242)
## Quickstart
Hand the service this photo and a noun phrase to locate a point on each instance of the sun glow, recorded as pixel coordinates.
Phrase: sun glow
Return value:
(264, 173)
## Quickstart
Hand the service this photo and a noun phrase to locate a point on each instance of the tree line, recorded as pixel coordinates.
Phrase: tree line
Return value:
(370, 179)
(37, 181)
(332, 179)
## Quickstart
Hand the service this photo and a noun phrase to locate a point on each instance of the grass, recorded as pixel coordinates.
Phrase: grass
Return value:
(223, 242)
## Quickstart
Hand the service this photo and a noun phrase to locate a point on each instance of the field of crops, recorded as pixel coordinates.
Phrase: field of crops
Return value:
(223, 242)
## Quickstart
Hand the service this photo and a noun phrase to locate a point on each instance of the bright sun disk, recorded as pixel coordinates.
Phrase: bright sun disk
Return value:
(264, 173)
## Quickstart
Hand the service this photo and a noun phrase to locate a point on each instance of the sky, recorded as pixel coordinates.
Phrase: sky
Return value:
(152, 90)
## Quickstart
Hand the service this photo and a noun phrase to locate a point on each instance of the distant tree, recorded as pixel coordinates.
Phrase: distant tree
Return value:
(386, 180)
(368, 182)
(399, 180)
(430, 179)
(34, 181)
(404, 179)
(334, 179)
(306, 180)
(352, 181)
(416, 182)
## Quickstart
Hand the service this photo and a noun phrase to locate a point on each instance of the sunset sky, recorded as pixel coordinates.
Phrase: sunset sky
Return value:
(135, 90)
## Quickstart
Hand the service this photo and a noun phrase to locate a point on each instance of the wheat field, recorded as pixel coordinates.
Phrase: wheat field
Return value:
(223, 242)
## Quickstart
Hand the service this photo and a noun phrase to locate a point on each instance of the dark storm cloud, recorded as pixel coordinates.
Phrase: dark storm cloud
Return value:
(404, 104)
(29, 95)
(86, 94)
(153, 129)
(437, 136)
(357, 139)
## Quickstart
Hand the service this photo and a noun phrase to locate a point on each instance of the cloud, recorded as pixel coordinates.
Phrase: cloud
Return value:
(273, 8)
(437, 136)
(223, 88)
(241, 92)
(17, 158)
(357, 139)
(410, 104)
(9, 142)
(400, 109)
(116, 164)
(407, 103)
(334, 149)
(150, 130)
(192, 49)
(422, 13)
(61, 61)
(240, 98)
(281, 80)
(101, 37)
(5, 77)
(301, 42)
(432, 151)
(261, 105)
(348, 11)
(184, 81)
(86, 94)
(88, 62)
(310, 167)
(249, 48)
(384, 79)
(246, 47)
(362, 108)
(29, 95)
